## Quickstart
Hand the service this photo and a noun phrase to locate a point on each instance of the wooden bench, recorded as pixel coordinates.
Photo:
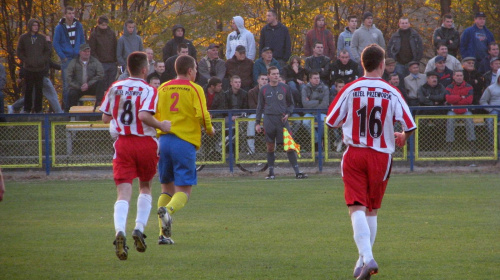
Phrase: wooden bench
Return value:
(76, 125)
(86, 98)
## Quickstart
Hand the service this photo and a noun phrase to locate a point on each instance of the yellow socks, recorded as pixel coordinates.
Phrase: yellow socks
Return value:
(178, 201)
(163, 200)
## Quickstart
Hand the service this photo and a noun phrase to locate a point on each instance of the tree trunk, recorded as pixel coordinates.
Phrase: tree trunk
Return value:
(445, 6)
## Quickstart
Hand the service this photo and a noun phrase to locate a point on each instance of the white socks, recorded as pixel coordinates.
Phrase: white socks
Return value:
(372, 224)
(143, 210)
(362, 235)
(120, 215)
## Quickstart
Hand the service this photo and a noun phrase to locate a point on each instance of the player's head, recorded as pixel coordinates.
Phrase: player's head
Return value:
(274, 74)
(185, 65)
(137, 64)
(372, 58)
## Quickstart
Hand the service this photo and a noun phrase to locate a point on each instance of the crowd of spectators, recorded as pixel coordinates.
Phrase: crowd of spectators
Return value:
(469, 60)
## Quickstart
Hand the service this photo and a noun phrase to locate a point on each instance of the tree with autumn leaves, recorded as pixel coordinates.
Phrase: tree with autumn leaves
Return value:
(208, 21)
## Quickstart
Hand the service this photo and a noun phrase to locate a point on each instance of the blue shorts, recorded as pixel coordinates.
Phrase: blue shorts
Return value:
(177, 161)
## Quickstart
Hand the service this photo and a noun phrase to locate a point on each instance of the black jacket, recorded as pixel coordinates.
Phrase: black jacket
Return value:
(170, 48)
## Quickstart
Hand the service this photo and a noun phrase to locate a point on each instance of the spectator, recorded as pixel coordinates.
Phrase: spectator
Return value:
(240, 37)
(336, 87)
(343, 68)
(214, 95)
(413, 82)
(275, 35)
(337, 132)
(211, 65)
(294, 73)
(491, 96)
(235, 97)
(34, 52)
(395, 81)
(253, 99)
(3, 82)
(318, 63)
(49, 92)
(450, 61)
(158, 71)
(404, 46)
(276, 101)
(264, 63)
(85, 77)
(493, 51)
(432, 93)
(444, 73)
(459, 93)
(242, 66)
(473, 78)
(154, 82)
(129, 42)
(68, 37)
(315, 95)
(475, 39)
(490, 77)
(344, 41)
(151, 60)
(169, 74)
(447, 35)
(171, 47)
(319, 33)
(390, 68)
(365, 35)
(103, 44)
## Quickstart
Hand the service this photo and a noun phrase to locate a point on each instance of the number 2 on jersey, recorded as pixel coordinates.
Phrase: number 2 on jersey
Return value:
(175, 97)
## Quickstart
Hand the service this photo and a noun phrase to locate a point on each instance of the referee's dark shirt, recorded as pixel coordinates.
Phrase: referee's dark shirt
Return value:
(274, 100)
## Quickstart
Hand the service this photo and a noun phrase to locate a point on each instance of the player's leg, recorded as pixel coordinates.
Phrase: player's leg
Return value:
(270, 131)
(165, 170)
(270, 158)
(163, 200)
(144, 201)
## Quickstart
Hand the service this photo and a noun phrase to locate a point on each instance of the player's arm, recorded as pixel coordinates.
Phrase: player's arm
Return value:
(106, 118)
(200, 105)
(402, 137)
(148, 118)
(2, 186)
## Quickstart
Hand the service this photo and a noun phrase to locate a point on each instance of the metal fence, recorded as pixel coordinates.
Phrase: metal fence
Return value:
(75, 140)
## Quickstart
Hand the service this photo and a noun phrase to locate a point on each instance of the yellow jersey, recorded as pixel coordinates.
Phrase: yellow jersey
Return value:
(183, 103)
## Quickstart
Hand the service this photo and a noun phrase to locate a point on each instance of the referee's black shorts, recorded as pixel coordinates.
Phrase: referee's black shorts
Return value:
(273, 127)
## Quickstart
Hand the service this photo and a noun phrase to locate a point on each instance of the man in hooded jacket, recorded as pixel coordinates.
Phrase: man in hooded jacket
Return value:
(170, 48)
(240, 37)
(319, 33)
(128, 43)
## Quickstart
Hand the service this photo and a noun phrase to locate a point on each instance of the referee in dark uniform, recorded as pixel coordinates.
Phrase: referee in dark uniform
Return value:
(276, 102)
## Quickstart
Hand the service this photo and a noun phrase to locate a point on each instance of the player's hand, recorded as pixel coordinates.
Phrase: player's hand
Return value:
(165, 126)
(400, 138)
(258, 128)
(211, 132)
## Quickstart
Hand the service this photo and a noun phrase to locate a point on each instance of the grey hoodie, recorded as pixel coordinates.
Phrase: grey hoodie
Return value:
(127, 44)
(491, 96)
(241, 37)
(363, 37)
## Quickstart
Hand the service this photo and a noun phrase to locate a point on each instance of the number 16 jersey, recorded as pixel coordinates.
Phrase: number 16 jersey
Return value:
(367, 109)
(123, 101)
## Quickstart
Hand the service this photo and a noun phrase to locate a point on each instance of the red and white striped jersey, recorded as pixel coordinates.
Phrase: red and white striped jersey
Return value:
(367, 110)
(124, 100)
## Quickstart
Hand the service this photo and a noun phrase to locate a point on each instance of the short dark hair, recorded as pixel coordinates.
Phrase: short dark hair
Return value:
(273, 12)
(156, 63)
(272, 68)
(154, 78)
(351, 17)
(312, 74)
(234, 77)
(447, 16)
(181, 46)
(393, 75)
(339, 81)
(214, 81)
(441, 44)
(456, 71)
(129, 21)
(262, 74)
(372, 56)
(317, 43)
(102, 19)
(136, 61)
(491, 44)
(68, 8)
(183, 63)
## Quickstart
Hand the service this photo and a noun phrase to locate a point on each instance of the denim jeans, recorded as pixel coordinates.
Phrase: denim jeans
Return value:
(469, 128)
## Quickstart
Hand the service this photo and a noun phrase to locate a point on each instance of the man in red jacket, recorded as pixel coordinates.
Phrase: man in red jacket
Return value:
(459, 93)
(319, 33)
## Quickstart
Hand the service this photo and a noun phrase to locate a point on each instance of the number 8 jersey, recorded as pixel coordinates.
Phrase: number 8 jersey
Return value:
(367, 109)
(123, 101)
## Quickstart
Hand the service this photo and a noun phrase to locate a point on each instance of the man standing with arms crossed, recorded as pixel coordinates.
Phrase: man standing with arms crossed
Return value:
(183, 103)
(276, 102)
(366, 110)
(136, 149)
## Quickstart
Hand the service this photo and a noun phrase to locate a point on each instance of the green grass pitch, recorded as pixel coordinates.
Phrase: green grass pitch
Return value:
(431, 226)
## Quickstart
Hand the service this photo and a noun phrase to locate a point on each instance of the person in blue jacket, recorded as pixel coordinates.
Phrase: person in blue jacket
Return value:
(475, 39)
